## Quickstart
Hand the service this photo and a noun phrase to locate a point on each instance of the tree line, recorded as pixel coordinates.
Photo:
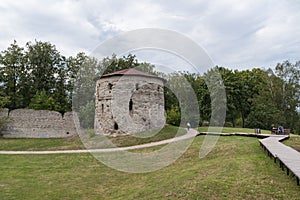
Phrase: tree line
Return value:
(38, 76)
(255, 98)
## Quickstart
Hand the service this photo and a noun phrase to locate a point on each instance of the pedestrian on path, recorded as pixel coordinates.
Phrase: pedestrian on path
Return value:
(188, 126)
(280, 130)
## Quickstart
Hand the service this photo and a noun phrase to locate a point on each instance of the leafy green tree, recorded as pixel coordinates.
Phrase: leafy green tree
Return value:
(288, 99)
(4, 100)
(204, 100)
(230, 81)
(43, 60)
(42, 101)
(52, 73)
(264, 110)
(12, 72)
(174, 115)
(113, 63)
(217, 94)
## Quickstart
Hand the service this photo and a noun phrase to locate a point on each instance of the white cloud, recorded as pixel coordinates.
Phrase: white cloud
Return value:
(235, 33)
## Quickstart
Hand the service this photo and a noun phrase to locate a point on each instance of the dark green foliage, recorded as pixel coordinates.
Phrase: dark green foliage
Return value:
(174, 115)
(35, 72)
(13, 76)
(42, 101)
(3, 120)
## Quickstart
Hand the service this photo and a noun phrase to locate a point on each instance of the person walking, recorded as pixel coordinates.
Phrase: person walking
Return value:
(280, 129)
(188, 126)
(273, 129)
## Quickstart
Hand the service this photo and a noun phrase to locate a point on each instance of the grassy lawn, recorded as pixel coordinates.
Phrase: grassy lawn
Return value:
(293, 142)
(139, 138)
(237, 168)
(30, 144)
(234, 130)
(66, 144)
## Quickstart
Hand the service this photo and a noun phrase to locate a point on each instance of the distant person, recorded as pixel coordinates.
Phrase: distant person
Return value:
(273, 129)
(188, 126)
(280, 130)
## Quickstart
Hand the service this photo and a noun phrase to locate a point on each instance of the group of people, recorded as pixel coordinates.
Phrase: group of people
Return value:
(279, 130)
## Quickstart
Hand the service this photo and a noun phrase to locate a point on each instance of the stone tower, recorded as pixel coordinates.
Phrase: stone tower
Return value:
(129, 101)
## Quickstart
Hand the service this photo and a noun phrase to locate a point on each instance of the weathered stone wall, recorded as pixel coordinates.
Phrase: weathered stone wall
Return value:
(129, 104)
(27, 123)
(4, 112)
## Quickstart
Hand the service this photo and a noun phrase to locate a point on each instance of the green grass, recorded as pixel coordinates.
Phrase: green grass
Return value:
(30, 144)
(94, 142)
(237, 168)
(234, 130)
(293, 142)
(141, 138)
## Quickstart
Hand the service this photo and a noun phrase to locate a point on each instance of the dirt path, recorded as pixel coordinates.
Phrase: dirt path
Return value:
(191, 133)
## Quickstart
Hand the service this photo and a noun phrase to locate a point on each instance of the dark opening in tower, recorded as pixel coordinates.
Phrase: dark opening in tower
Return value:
(130, 105)
(116, 127)
(110, 86)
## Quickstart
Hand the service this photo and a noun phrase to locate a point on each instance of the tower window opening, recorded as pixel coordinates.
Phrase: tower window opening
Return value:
(130, 105)
(110, 86)
(102, 108)
(116, 126)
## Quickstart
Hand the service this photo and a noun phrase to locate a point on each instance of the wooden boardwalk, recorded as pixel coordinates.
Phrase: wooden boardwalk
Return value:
(288, 157)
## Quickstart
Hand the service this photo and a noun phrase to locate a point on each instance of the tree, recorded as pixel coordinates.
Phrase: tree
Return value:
(264, 110)
(4, 100)
(52, 73)
(43, 60)
(13, 75)
(215, 85)
(288, 99)
(42, 101)
(174, 115)
(230, 81)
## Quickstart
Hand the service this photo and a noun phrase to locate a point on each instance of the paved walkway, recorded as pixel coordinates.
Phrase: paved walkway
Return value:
(288, 157)
(191, 133)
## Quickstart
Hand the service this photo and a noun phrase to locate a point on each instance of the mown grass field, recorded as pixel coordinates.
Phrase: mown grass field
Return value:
(233, 130)
(28, 144)
(293, 142)
(237, 168)
(121, 141)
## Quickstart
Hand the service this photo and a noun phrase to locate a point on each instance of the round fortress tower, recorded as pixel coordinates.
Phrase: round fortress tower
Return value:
(129, 101)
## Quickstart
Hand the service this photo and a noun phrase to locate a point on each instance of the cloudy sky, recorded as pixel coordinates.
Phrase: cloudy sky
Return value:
(235, 34)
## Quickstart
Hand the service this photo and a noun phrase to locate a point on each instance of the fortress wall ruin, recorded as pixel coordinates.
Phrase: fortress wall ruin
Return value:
(27, 123)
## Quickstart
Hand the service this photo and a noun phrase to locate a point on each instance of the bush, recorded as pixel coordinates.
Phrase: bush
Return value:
(228, 124)
(174, 116)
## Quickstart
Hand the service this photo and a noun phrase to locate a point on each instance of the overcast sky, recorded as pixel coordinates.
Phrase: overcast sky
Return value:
(235, 34)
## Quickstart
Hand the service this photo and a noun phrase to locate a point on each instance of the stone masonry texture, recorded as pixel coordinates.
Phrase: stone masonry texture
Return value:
(27, 123)
(129, 104)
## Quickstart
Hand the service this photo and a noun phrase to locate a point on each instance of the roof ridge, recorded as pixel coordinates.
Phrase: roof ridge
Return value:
(130, 72)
